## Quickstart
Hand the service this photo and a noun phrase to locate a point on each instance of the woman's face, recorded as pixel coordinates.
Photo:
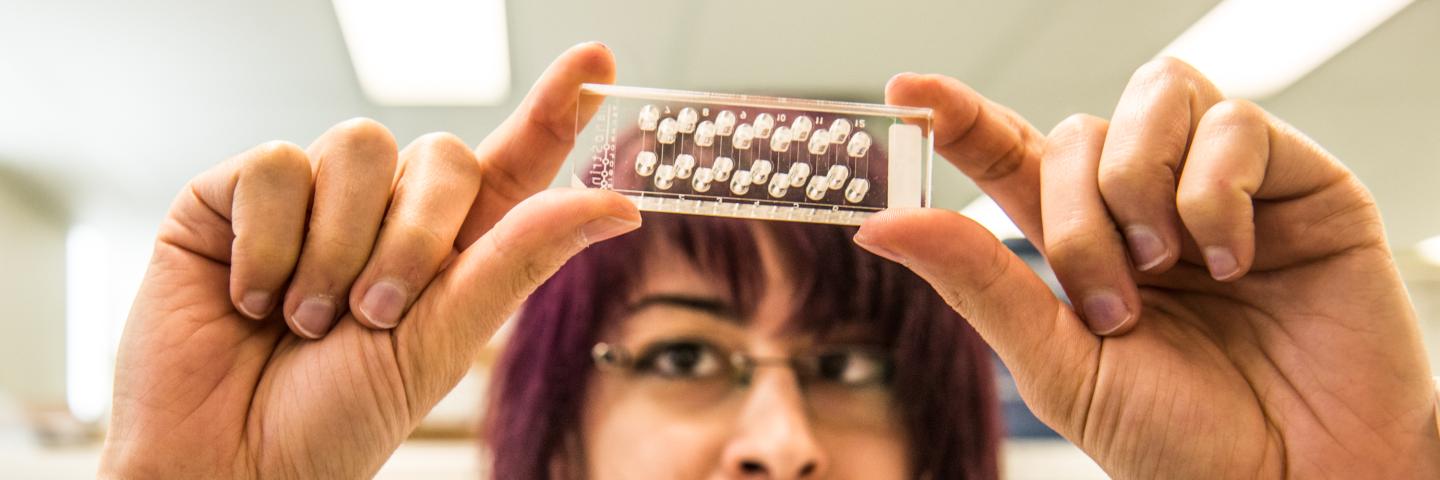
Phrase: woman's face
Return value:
(666, 417)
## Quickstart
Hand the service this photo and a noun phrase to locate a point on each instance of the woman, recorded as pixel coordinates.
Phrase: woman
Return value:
(1238, 312)
(620, 366)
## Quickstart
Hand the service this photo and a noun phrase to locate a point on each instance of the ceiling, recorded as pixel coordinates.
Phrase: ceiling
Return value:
(108, 106)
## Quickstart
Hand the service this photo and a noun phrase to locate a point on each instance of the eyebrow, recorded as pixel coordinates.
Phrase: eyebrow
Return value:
(709, 305)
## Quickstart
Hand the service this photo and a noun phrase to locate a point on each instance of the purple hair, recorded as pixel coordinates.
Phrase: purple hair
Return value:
(943, 378)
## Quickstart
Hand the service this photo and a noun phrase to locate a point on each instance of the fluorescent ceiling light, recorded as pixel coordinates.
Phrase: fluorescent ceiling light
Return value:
(428, 52)
(1429, 250)
(988, 214)
(1256, 48)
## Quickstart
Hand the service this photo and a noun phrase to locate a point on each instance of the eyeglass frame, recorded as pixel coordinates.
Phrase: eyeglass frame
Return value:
(743, 365)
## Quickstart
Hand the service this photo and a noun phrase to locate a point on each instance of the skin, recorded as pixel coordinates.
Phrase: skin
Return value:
(1266, 335)
(211, 386)
(627, 433)
(1259, 330)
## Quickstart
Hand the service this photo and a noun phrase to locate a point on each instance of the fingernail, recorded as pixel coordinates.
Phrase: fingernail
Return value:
(601, 44)
(865, 242)
(1221, 262)
(314, 316)
(1105, 312)
(255, 304)
(602, 229)
(383, 303)
(1145, 247)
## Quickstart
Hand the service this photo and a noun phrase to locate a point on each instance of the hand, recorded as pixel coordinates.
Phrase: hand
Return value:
(1269, 334)
(390, 270)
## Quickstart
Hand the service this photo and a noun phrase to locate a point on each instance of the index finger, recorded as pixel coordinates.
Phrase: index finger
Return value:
(521, 156)
(989, 143)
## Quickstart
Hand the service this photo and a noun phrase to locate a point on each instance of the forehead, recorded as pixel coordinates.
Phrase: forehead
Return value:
(667, 271)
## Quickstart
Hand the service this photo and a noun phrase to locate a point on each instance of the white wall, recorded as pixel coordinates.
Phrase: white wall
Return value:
(32, 297)
(1423, 282)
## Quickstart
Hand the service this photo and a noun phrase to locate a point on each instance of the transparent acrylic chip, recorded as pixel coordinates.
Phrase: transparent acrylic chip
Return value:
(684, 165)
(859, 144)
(779, 185)
(799, 172)
(667, 132)
(722, 166)
(702, 179)
(820, 142)
(839, 130)
(780, 140)
(645, 163)
(760, 171)
(744, 135)
(837, 176)
(705, 134)
(764, 124)
(686, 120)
(801, 128)
(740, 182)
(753, 157)
(725, 123)
(649, 118)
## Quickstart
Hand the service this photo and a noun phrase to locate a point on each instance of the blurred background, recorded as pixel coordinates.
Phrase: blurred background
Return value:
(107, 108)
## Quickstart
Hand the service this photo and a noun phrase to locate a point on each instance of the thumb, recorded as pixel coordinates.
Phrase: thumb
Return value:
(1041, 341)
(458, 313)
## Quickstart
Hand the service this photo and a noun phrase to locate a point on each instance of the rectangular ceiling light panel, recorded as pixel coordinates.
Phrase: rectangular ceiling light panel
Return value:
(428, 52)
(1256, 48)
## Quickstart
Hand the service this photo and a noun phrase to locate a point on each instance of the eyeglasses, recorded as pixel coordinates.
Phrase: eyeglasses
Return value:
(840, 383)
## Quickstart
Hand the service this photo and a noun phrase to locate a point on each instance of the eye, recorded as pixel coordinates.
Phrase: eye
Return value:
(682, 359)
(852, 366)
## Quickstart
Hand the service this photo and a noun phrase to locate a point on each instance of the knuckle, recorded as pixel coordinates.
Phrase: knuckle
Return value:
(1199, 198)
(1164, 70)
(1235, 113)
(446, 152)
(440, 144)
(421, 240)
(529, 259)
(1065, 250)
(268, 257)
(961, 296)
(338, 254)
(1078, 128)
(279, 149)
(364, 133)
(533, 272)
(1013, 159)
(1121, 178)
(558, 128)
(1084, 122)
(528, 269)
(328, 270)
(276, 162)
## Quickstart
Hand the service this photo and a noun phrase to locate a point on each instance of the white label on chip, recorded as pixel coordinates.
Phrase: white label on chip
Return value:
(904, 184)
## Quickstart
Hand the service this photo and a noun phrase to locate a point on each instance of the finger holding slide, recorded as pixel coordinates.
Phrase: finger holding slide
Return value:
(1081, 242)
(992, 145)
(1148, 137)
(438, 179)
(486, 283)
(1039, 338)
(522, 156)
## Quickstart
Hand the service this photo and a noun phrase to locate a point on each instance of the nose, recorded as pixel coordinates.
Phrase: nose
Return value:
(774, 439)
